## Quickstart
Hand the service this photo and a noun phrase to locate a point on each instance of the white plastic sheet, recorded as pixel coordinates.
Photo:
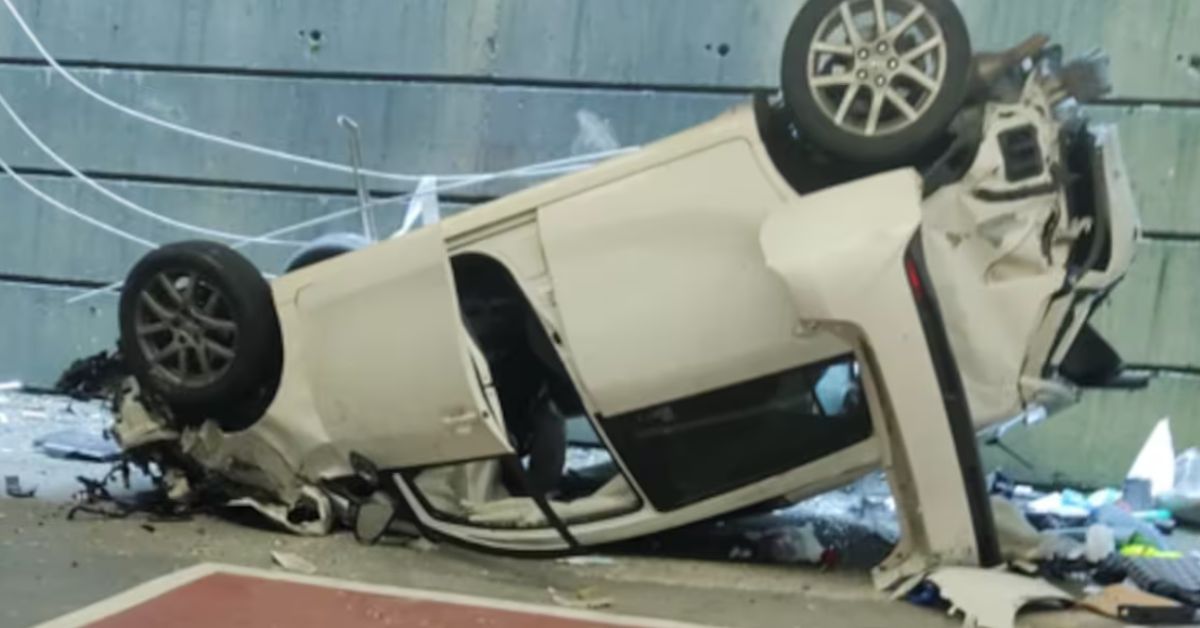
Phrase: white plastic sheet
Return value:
(1156, 461)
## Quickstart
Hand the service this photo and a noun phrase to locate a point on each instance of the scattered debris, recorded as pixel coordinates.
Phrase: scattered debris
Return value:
(77, 444)
(12, 486)
(1123, 602)
(590, 560)
(93, 377)
(421, 544)
(1183, 499)
(1174, 576)
(854, 526)
(990, 598)
(293, 562)
(794, 545)
(1100, 543)
(588, 598)
(1156, 461)
(149, 528)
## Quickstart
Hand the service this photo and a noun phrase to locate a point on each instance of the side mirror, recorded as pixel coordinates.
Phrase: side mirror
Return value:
(372, 518)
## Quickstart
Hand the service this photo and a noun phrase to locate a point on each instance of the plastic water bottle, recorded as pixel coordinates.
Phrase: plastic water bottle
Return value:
(1100, 543)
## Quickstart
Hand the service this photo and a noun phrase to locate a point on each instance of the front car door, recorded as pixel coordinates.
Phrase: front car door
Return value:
(393, 374)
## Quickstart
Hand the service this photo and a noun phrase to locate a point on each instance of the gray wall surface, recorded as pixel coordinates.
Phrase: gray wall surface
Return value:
(479, 85)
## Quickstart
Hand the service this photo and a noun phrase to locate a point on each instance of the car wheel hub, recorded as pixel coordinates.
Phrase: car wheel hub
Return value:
(185, 329)
(876, 66)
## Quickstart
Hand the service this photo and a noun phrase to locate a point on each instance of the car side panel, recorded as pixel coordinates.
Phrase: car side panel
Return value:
(387, 356)
(661, 285)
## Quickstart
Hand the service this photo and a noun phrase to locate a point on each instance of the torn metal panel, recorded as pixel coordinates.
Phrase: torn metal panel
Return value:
(990, 598)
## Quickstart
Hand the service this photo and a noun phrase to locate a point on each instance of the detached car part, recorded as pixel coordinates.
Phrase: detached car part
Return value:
(726, 318)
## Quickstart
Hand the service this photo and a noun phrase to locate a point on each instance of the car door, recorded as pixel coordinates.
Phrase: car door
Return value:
(683, 338)
(660, 281)
(394, 375)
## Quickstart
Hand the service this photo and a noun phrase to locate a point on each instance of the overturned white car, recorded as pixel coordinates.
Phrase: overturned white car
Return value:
(902, 249)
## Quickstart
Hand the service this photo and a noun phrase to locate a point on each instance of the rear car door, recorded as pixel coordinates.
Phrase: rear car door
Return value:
(684, 340)
(394, 375)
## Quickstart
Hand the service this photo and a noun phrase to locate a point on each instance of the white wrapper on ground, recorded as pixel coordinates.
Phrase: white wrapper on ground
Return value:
(1156, 461)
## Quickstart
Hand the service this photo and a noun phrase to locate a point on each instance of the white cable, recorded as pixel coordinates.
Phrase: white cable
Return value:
(555, 166)
(33, 137)
(232, 143)
(72, 211)
(541, 169)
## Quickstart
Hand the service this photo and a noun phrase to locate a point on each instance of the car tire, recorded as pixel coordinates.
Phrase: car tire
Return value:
(886, 96)
(325, 247)
(199, 328)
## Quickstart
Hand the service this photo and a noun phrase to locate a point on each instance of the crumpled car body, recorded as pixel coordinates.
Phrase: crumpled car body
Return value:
(685, 332)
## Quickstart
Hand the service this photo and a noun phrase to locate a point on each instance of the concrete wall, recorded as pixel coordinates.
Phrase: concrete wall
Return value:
(479, 85)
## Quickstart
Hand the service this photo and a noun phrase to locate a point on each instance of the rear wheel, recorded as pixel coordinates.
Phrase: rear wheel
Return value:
(198, 326)
(876, 80)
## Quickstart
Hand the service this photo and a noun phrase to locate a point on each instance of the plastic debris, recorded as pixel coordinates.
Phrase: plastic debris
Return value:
(1103, 497)
(588, 561)
(420, 544)
(1068, 503)
(795, 545)
(1156, 461)
(1183, 500)
(79, 445)
(12, 486)
(588, 598)
(1128, 528)
(992, 599)
(293, 562)
(1100, 544)
(1148, 551)
(1137, 494)
(1115, 600)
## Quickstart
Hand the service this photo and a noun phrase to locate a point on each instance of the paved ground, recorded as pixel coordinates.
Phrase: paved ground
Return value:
(50, 566)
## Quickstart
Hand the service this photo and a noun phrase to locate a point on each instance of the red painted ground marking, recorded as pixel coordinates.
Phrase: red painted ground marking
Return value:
(238, 601)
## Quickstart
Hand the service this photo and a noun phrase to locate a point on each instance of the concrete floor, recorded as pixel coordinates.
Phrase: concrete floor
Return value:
(50, 565)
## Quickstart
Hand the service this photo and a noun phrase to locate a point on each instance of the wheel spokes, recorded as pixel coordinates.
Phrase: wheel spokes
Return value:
(210, 304)
(876, 111)
(212, 323)
(830, 80)
(906, 22)
(185, 328)
(880, 20)
(844, 50)
(149, 329)
(918, 77)
(900, 103)
(158, 309)
(852, 32)
(174, 348)
(169, 288)
(921, 50)
(218, 349)
(847, 100)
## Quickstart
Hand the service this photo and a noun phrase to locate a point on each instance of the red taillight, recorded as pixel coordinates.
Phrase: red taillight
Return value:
(914, 278)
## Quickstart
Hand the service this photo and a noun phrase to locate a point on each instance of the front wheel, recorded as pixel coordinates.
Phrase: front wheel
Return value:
(876, 80)
(198, 326)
